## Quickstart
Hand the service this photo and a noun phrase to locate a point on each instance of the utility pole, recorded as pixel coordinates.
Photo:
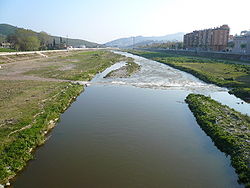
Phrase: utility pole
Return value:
(67, 41)
(133, 38)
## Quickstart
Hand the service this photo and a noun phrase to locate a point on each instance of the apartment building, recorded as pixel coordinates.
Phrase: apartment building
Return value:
(215, 39)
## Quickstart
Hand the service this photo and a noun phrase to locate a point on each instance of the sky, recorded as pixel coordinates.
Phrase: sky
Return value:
(105, 20)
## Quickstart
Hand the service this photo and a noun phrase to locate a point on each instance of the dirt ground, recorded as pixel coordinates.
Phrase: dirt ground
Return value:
(14, 67)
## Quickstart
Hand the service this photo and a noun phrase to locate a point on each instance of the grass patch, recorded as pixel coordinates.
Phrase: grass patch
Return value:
(124, 72)
(132, 67)
(27, 109)
(7, 50)
(230, 131)
(243, 93)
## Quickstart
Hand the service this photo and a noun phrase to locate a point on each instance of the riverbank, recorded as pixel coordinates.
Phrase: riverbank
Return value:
(21, 134)
(31, 104)
(233, 76)
(125, 71)
(244, 58)
(229, 130)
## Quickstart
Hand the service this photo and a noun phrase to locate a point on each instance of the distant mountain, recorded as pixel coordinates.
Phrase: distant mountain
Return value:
(148, 42)
(6, 29)
(140, 40)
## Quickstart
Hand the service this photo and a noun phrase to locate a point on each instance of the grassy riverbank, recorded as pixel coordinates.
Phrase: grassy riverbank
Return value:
(230, 131)
(221, 73)
(31, 104)
(29, 109)
(126, 71)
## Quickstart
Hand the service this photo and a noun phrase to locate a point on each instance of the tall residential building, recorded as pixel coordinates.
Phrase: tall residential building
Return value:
(215, 39)
(242, 43)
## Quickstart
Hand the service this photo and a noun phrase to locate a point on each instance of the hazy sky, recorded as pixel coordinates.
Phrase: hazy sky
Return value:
(105, 20)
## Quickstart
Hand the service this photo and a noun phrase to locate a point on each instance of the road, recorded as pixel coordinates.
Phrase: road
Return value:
(45, 51)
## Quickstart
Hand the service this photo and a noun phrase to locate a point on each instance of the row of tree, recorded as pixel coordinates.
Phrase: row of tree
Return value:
(166, 45)
(28, 40)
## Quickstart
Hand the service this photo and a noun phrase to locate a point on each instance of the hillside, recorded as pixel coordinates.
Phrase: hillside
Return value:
(140, 40)
(77, 42)
(6, 29)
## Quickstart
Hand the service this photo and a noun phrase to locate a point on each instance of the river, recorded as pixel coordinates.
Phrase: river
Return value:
(133, 132)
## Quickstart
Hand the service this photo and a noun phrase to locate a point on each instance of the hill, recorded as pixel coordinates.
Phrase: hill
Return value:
(140, 40)
(77, 42)
(6, 29)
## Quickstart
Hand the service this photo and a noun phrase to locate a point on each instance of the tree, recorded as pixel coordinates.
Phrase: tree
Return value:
(2, 38)
(24, 40)
(54, 42)
(180, 45)
(44, 40)
(30, 43)
(230, 44)
(243, 46)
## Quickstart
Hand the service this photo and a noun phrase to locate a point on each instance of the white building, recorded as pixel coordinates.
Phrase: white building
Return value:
(242, 43)
(5, 45)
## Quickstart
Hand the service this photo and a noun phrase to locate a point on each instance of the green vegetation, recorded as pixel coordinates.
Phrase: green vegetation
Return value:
(76, 42)
(7, 50)
(212, 71)
(6, 29)
(29, 109)
(2, 38)
(243, 46)
(132, 67)
(26, 40)
(126, 71)
(165, 45)
(243, 93)
(230, 131)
